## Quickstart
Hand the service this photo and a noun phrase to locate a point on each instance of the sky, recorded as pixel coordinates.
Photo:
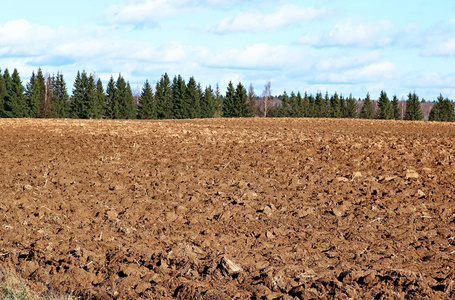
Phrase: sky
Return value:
(346, 46)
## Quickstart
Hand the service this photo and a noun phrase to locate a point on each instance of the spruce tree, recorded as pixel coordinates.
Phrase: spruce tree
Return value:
(229, 106)
(293, 106)
(395, 108)
(84, 103)
(413, 108)
(306, 106)
(193, 99)
(385, 109)
(335, 106)
(112, 101)
(318, 105)
(367, 111)
(147, 108)
(299, 105)
(130, 106)
(61, 104)
(125, 99)
(241, 101)
(311, 106)
(163, 96)
(442, 110)
(180, 105)
(284, 109)
(15, 103)
(33, 95)
(2, 95)
(351, 107)
(100, 100)
(208, 103)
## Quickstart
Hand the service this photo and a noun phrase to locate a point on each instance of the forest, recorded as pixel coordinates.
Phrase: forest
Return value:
(46, 96)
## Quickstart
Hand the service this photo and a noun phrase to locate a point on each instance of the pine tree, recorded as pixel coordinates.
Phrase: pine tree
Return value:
(413, 108)
(442, 110)
(385, 109)
(147, 108)
(208, 103)
(395, 108)
(229, 106)
(367, 111)
(163, 96)
(193, 99)
(61, 105)
(33, 93)
(351, 107)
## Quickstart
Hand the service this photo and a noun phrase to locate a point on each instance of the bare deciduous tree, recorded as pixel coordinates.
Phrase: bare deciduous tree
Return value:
(266, 98)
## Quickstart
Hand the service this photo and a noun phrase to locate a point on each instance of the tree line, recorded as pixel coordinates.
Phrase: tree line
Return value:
(46, 96)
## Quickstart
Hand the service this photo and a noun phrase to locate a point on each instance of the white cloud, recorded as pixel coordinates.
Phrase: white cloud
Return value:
(144, 11)
(379, 71)
(256, 22)
(348, 33)
(444, 48)
(262, 57)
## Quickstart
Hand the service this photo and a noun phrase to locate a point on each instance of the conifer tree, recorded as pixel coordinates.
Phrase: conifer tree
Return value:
(283, 111)
(395, 108)
(293, 106)
(241, 101)
(15, 104)
(112, 101)
(335, 106)
(147, 107)
(163, 96)
(306, 106)
(2, 95)
(413, 108)
(343, 111)
(385, 109)
(351, 107)
(33, 95)
(84, 102)
(180, 107)
(130, 110)
(61, 105)
(229, 106)
(299, 105)
(318, 105)
(208, 103)
(442, 110)
(193, 99)
(311, 106)
(367, 111)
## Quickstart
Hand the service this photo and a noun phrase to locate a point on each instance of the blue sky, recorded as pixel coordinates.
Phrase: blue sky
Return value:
(347, 46)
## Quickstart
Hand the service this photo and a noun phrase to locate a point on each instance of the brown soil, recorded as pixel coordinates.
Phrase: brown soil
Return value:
(230, 208)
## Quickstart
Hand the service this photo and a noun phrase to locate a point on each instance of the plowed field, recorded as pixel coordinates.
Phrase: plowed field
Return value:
(230, 208)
